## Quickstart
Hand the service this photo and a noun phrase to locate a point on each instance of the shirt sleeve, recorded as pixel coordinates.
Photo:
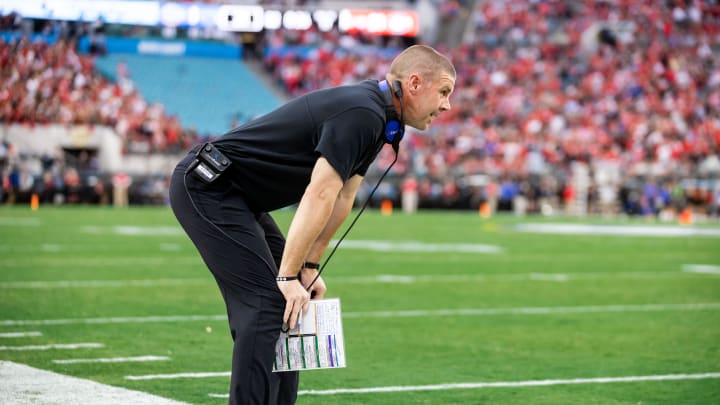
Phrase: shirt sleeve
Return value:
(348, 139)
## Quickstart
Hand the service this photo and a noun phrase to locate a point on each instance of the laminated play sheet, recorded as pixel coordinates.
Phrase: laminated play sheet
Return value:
(316, 342)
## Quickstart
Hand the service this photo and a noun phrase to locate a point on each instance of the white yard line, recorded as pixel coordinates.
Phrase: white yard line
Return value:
(380, 278)
(461, 278)
(98, 262)
(512, 384)
(129, 319)
(549, 277)
(505, 277)
(535, 310)
(617, 230)
(104, 283)
(177, 376)
(389, 314)
(170, 247)
(417, 246)
(65, 346)
(129, 230)
(701, 268)
(25, 385)
(372, 245)
(74, 248)
(113, 360)
(20, 334)
(26, 221)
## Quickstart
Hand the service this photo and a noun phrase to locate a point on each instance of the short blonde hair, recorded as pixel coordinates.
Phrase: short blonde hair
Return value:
(420, 59)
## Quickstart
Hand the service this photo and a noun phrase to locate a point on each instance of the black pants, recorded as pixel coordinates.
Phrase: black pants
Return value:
(242, 249)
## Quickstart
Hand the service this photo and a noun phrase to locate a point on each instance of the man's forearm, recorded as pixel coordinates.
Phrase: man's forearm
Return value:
(312, 216)
(340, 212)
(304, 230)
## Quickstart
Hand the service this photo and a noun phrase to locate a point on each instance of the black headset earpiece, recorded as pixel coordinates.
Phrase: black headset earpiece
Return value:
(394, 128)
(397, 88)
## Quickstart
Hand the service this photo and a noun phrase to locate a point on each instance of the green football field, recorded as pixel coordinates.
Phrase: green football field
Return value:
(438, 308)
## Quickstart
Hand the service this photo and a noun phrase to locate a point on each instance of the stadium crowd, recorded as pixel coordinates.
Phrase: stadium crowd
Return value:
(629, 88)
(42, 83)
(614, 104)
(52, 83)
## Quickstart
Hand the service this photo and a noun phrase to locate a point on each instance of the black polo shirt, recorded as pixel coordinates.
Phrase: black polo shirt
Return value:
(273, 155)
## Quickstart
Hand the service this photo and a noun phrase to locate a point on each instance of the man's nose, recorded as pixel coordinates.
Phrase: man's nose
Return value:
(445, 106)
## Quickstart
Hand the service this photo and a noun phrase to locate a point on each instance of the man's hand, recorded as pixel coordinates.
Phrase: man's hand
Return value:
(317, 290)
(296, 300)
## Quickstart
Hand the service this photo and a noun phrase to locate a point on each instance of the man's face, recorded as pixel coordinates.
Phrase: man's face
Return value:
(428, 97)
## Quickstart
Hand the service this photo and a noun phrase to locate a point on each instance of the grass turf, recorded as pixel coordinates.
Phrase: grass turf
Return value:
(137, 263)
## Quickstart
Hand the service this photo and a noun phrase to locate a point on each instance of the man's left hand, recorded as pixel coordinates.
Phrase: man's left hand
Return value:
(317, 290)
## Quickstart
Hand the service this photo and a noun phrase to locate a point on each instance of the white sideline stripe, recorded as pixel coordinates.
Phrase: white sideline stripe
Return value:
(374, 245)
(448, 278)
(104, 283)
(148, 230)
(511, 384)
(536, 310)
(616, 230)
(176, 376)
(380, 278)
(130, 319)
(20, 334)
(69, 346)
(417, 246)
(386, 314)
(549, 277)
(25, 385)
(94, 248)
(19, 221)
(129, 230)
(701, 268)
(113, 360)
(47, 247)
(103, 262)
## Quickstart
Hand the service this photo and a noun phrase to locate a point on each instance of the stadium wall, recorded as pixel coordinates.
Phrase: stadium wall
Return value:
(50, 140)
(155, 46)
(144, 46)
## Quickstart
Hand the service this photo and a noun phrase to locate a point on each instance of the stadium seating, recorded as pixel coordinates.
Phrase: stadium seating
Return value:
(208, 94)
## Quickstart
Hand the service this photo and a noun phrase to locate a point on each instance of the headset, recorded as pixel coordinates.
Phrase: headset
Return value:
(394, 127)
(394, 131)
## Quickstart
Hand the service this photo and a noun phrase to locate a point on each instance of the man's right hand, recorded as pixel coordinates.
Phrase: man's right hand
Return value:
(296, 299)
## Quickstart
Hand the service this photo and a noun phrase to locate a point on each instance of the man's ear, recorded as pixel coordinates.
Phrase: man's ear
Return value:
(414, 82)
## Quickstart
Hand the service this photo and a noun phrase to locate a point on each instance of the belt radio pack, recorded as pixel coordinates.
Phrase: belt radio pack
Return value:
(209, 163)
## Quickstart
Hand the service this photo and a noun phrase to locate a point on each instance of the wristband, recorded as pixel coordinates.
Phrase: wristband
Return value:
(311, 265)
(288, 278)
